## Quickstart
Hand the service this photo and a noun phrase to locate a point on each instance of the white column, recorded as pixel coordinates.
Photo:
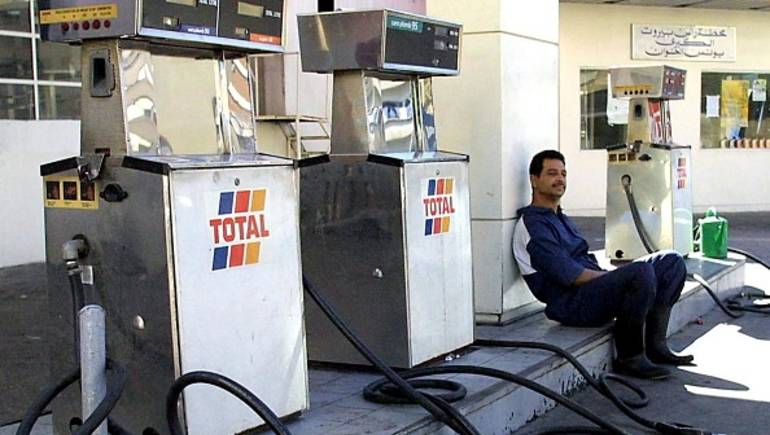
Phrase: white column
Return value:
(501, 110)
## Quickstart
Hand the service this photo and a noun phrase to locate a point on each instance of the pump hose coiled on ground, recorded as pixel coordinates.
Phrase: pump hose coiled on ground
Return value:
(114, 390)
(400, 387)
(227, 384)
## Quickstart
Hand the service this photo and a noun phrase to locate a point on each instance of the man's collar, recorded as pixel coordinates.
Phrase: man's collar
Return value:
(538, 209)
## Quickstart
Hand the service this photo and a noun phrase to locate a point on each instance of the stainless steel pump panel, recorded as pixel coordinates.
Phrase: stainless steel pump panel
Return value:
(382, 40)
(649, 169)
(386, 223)
(234, 24)
(388, 243)
(661, 183)
(198, 269)
(648, 82)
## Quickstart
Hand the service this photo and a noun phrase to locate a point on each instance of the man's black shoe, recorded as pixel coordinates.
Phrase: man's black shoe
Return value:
(656, 343)
(639, 366)
(668, 357)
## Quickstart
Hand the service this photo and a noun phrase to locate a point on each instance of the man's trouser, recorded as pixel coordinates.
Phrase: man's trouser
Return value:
(630, 292)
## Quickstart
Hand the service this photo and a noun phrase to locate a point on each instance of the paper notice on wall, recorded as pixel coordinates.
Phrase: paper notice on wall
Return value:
(617, 109)
(734, 105)
(759, 90)
(712, 106)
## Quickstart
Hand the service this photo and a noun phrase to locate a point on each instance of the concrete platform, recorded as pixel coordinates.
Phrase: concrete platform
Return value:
(498, 407)
(495, 407)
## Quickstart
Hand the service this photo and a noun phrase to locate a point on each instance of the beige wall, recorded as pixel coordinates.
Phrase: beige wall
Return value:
(24, 146)
(600, 36)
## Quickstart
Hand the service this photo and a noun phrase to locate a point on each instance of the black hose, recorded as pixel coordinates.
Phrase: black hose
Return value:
(114, 391)
(78, 301)
(750, 256)
(227, 384)
(714, 296)
(593, 381)
(384, 390)
(43, 400)
(602, 386)
(640, 230)
(390, 394)
(447, 415)
(510, 377)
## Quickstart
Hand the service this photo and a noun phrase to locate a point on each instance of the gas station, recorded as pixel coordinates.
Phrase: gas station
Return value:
(289, 217)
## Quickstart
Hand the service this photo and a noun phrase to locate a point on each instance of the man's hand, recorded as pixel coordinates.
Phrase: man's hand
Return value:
(587, 275)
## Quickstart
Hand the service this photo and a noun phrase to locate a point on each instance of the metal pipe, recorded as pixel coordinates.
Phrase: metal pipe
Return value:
(93, 361)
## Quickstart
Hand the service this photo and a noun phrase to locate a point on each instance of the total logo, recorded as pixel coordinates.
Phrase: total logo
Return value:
(238, 228)
(439, 206)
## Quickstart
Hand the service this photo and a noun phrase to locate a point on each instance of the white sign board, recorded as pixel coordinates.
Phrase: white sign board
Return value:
(689, 43)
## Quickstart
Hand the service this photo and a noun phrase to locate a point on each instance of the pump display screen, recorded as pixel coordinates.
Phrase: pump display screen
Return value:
(258, 21)
(250, 10)
(182, 2)
(422, 43)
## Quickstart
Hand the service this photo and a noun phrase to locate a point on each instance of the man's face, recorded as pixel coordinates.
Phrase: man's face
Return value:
(552, 181)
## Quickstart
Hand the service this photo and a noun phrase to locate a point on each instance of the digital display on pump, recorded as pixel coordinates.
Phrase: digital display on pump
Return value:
(250, 10)
(183, 2)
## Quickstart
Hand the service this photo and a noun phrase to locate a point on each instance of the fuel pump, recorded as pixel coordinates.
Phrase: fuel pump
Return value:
(193, 235)
(649, 184)
(385, 222)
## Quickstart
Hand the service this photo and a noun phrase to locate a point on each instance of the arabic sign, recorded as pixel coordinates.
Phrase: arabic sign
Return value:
(690, 43)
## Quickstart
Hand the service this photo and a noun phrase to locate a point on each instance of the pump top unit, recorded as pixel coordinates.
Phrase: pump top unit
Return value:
(649, 184)
(240, 25)
(662, 82)
(380, 40)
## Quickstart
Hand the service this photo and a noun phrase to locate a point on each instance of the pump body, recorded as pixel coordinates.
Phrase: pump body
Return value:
(193, 234)
(649, 172)
(386, 222)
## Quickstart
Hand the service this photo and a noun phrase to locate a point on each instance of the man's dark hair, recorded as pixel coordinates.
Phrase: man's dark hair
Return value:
(536, 165)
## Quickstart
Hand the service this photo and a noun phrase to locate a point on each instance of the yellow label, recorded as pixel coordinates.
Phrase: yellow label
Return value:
(630, 89)
(70, 192)
(65, 15)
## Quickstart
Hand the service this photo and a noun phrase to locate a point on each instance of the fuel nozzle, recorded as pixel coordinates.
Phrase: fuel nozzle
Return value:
(626, 181)
(73, 250)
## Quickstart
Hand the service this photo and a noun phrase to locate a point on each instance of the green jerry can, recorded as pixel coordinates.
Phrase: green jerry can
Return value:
(713, 235)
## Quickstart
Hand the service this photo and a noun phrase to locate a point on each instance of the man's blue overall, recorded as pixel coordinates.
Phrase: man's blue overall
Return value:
(551, 254)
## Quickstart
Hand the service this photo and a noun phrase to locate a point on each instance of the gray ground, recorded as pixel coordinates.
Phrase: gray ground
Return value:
(24, 361)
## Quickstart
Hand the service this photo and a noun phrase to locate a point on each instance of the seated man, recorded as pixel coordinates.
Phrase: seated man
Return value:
(554, 260)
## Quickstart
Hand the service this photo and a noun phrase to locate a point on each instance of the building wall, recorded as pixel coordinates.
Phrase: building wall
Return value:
(599, 36)
(24, 146)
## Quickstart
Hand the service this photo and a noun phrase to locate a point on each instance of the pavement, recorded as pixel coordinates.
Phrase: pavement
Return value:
(727, 391)
(23, 320)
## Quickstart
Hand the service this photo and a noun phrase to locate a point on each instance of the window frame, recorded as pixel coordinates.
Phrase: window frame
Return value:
(702, 103)
(33, 36)
(584, 101)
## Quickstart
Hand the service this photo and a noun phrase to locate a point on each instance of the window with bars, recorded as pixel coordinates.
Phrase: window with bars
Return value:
(603, 119)
(38, 79)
